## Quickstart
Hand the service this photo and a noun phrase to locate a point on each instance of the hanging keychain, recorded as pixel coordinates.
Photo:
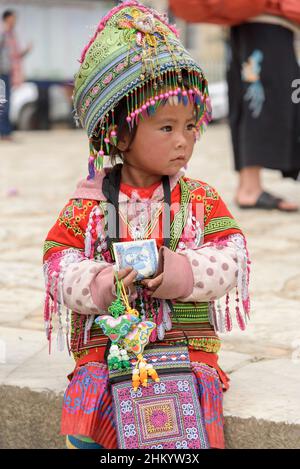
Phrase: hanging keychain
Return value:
(117, 325)
(127, 334)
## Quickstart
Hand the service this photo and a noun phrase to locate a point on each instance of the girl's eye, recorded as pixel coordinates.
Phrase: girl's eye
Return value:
(167, 128)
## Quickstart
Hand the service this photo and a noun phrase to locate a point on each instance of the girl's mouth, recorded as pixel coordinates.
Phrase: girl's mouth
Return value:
(179, 158)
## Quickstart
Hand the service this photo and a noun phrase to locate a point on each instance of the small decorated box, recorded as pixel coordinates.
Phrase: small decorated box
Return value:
(142, 255)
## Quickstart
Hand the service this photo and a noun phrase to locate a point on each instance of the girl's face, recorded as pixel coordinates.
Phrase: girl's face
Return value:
(163, 142)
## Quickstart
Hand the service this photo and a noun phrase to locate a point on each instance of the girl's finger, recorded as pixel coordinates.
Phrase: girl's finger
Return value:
(123, 272)
(145, 282)
(153, 283)
(129, 278)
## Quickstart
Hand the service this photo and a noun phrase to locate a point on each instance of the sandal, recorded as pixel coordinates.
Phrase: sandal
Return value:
(267, 201)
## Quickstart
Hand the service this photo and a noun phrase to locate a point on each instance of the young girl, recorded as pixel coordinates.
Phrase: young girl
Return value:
(142, 99)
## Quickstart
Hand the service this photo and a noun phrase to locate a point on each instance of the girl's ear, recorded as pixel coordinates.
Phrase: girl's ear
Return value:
(123, 143)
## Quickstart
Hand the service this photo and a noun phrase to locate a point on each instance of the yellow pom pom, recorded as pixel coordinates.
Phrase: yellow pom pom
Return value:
(135, 382)
(143, 374)
(153, 374)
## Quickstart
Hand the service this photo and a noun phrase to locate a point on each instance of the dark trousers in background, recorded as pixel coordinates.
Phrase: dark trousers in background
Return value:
(5, 125)
(263, 119)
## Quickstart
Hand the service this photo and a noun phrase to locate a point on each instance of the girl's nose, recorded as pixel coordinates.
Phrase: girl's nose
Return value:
(181, 141)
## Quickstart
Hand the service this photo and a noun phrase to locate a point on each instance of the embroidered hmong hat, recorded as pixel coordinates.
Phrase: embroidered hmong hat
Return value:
(135, 55)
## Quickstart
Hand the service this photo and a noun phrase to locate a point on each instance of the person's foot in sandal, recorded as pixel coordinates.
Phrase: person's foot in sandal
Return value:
(265, 201)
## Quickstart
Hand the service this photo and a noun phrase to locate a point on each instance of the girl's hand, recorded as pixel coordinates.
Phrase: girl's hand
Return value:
(153, 283)
(128, 276)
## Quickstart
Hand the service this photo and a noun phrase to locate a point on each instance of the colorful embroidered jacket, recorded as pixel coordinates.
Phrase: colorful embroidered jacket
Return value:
(206, 259)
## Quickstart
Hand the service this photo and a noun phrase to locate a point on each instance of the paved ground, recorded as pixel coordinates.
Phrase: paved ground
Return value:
(38, 173)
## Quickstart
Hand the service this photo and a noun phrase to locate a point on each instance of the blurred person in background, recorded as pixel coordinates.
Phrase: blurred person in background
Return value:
(262, 65)
(10, 68)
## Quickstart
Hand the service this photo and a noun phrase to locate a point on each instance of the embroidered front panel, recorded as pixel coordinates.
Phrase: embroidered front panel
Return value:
(162, 415)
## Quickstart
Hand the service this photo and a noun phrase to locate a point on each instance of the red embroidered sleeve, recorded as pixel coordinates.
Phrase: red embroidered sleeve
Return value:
(70, 227)
(218, 220)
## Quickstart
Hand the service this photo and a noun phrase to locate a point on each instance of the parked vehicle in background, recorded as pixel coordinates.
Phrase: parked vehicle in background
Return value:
(23, 106)
(37, 105)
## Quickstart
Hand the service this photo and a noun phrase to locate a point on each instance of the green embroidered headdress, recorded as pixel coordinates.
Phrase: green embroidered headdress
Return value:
(136, 56)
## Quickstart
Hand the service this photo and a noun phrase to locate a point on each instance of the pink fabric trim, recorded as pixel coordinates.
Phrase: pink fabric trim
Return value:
(92, 189)
(178, 277)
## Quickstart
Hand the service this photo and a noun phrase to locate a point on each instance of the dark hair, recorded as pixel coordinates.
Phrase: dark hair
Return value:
(7, 14)
(120, 115)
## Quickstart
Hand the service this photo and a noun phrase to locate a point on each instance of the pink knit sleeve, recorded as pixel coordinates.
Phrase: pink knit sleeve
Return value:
(88, 287)
(215, 272)
(218, 267)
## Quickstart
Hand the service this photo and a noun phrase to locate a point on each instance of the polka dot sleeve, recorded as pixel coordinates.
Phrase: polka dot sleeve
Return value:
(88, 287)
(215, 270)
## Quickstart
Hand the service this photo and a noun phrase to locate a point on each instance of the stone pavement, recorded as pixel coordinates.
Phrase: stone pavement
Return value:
(262, 407)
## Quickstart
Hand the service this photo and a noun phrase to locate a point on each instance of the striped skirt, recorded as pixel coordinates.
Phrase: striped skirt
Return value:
(81, 442)
(87, 415)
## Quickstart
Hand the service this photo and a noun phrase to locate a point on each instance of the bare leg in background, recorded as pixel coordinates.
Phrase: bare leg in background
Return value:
(250, 187)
